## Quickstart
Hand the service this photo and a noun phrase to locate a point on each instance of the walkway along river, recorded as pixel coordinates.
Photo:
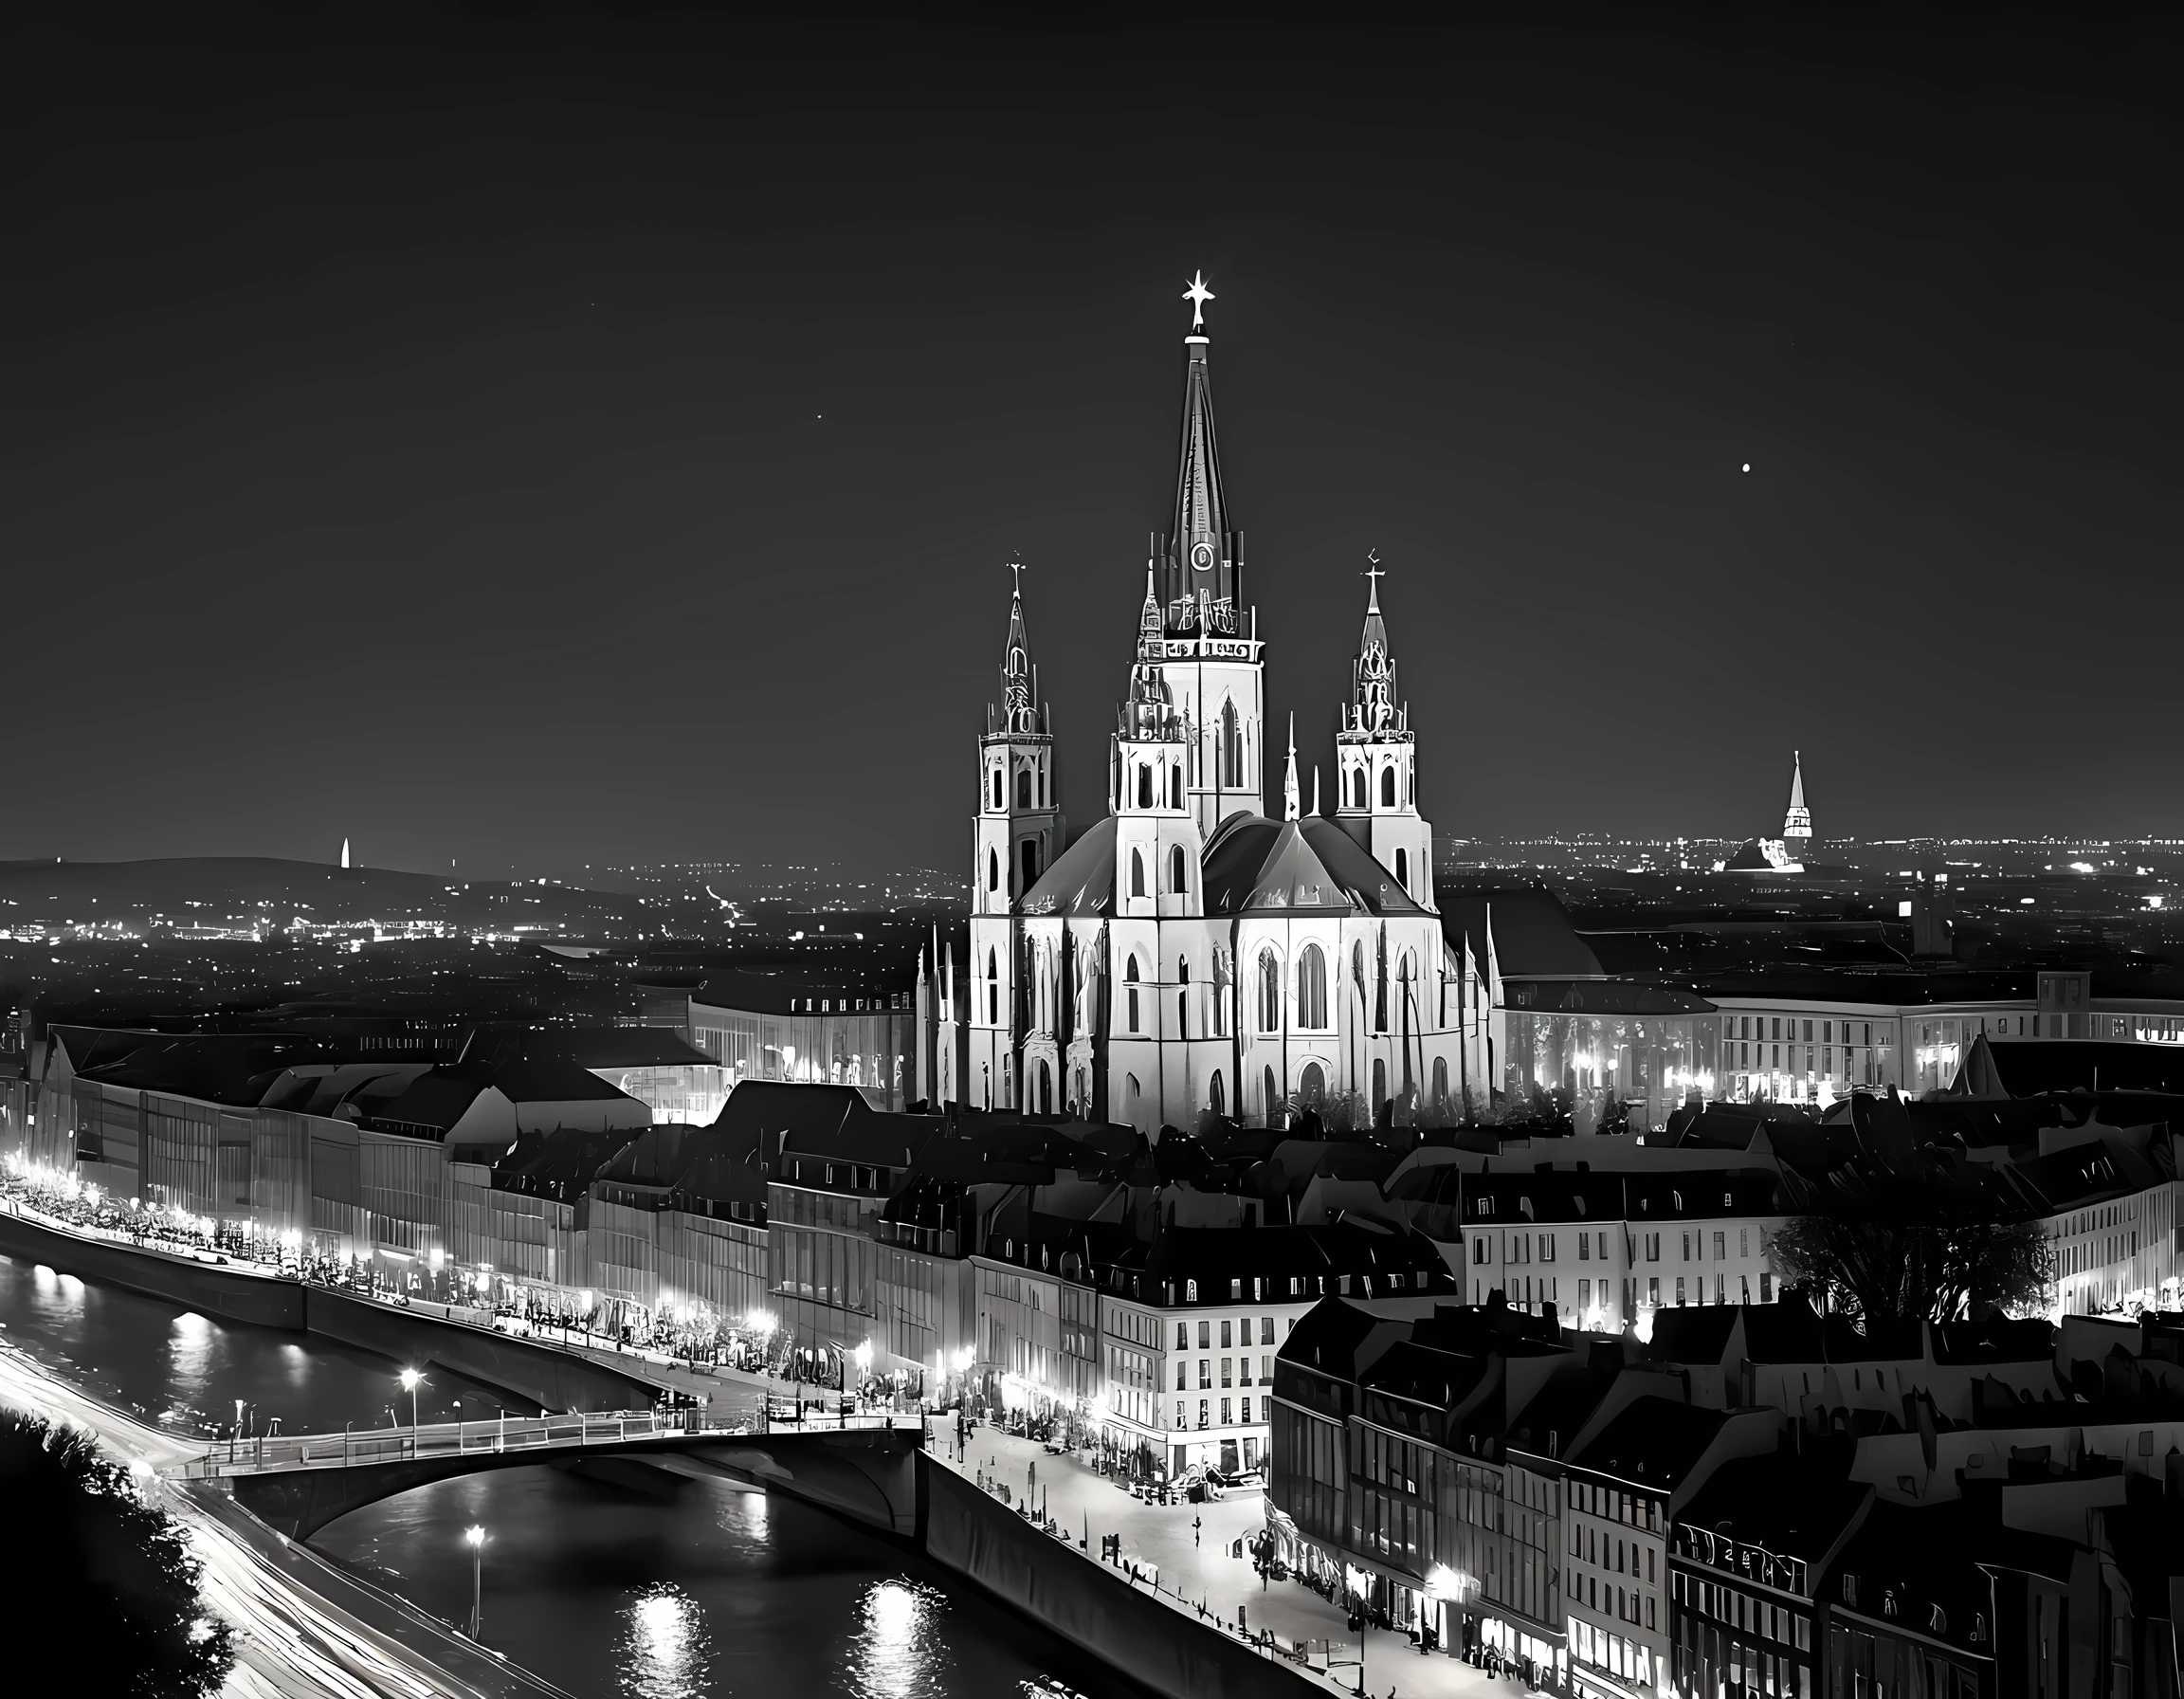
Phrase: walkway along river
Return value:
(689, 1589)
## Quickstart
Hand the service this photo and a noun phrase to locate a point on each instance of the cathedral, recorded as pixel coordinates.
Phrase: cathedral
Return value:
(1190, 954)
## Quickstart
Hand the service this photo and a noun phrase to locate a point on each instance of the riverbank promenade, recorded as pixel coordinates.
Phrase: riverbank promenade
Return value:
(1189, 1550)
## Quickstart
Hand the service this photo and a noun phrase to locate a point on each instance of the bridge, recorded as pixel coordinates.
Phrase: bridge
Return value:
(861, 1468)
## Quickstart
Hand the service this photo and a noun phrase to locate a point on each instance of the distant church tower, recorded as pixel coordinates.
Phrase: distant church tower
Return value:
(1797, 822)
(1017, 833)
(1375, 755)
(1207, 638)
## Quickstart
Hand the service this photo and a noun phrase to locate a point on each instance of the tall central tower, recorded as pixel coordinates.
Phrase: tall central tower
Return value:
(1209, 648)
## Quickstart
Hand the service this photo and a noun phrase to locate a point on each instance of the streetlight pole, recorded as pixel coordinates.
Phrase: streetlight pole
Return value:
(412, 1379)
(475, 1540)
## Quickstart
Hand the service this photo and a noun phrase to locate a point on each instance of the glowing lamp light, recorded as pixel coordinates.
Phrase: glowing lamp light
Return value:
(474, 1537)
(1358, 1582)
(1443, 1582)
(411, 1379)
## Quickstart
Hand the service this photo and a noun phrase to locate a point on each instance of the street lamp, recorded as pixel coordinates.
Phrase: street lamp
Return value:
(475, 1540)
(412, 1379)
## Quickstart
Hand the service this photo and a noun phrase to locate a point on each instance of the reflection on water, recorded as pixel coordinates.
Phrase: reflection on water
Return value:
(665, 1651)
(710, 1591)
(895, 1655)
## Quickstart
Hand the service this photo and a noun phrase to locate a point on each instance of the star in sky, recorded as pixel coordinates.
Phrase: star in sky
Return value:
(1198, 295)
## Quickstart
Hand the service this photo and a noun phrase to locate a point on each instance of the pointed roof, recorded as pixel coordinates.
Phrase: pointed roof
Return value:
(1019, 712)
(1311, 865)
(1289, 808)
(1374, 697)
(1201, 505)
(1797, 821)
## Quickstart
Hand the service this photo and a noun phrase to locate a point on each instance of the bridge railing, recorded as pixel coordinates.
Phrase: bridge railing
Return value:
(268, 1452)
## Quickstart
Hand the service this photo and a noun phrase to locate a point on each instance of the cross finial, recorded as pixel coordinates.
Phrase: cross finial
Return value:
(1198, 295)
(1016, 567)
(1375, 571)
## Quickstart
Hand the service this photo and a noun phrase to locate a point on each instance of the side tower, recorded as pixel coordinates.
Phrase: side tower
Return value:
(1018, 831)
(1797, 821)
(1375, 756)
(1207, 636)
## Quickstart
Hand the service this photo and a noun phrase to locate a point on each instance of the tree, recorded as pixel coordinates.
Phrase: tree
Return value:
(1880, 1271)
(99, 1577)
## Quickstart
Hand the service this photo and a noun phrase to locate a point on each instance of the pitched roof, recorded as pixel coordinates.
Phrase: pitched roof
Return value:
(2030, 1067)
(1081, 881)
(1651, 1442)
(1531, 931)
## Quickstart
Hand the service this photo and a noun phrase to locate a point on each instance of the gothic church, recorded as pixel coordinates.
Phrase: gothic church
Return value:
(1190, 954)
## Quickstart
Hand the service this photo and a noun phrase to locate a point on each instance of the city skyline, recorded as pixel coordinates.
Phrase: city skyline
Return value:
(525, 490)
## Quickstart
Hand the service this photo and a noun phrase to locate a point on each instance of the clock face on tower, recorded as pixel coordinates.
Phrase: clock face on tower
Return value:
(1202, 557)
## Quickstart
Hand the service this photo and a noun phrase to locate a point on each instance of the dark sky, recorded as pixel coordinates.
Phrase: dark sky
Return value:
(564, 435)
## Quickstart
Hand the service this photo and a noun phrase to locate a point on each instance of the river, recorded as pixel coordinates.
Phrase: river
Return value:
(703, 1590)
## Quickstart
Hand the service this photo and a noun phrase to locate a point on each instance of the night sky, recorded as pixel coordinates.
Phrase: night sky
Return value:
(554, 436)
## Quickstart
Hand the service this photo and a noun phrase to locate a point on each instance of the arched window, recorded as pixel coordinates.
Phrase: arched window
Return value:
(1046, 788)
(1357, 789)
(1144, 785)
(996, 788)
(1129, 996)
(1132, 1080)
(1214, 1098)
(1403, 868)
(1022, 787)
(1231, 751)
(1182, 997)
(1388, 785)
(992, 869)
(1441, 1083)
(1271, 1097)
(1046, 1090)
(1311, 1085)
(1175, 879)
(1311, 987)
(1176, 787)
(1032, 863)
(1269, 993)
(993, 989)
(1137, 873)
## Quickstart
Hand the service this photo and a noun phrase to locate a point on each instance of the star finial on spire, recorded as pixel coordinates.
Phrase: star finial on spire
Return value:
(1374, 573)
(1198, 295)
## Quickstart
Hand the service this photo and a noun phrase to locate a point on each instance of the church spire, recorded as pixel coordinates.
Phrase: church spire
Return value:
(1289, 799)
(1201, 552)
(1019, 699)
(1375, 702)
(1797, 821)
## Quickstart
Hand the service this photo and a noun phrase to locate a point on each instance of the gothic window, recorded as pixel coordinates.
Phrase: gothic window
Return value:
(997, 787)
(1357, 788)
(1213, 1095)
(1030, 863)
(1311, 1085)
(992, 869)
(1441, 1086)
(1175, 879)
(993, 989)
(1176, 787)
(1403, 869)
(1388, 785)
(1311, 987)
(1272, 1097)
(1130, 994)
(1137, 873)
(1046, 788)
(1022, 787)
(1231, 751)
(1269, 993)
(1380, 1084)
(1144, 785)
